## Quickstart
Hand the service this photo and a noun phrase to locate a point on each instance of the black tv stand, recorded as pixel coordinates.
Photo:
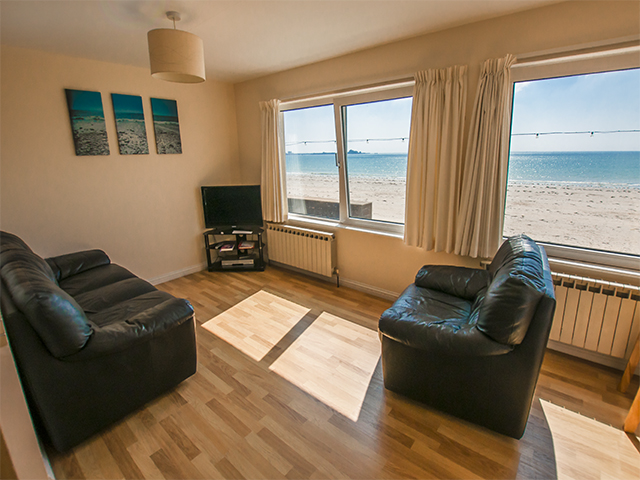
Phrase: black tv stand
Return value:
(236, 258)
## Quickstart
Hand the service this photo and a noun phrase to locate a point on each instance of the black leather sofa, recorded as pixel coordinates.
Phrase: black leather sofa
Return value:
(470, 342)
(91, 341)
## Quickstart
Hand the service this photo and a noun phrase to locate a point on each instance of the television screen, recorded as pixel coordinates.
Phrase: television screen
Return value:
(232, 206)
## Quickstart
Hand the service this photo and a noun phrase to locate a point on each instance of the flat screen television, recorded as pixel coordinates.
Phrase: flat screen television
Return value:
(232, 206)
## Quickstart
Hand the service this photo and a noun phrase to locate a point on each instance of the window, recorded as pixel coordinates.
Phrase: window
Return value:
(377, 143)
(311, 162)
(346, 160)
(574, 165)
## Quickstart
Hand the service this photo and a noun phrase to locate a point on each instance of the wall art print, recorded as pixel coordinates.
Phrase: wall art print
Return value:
(129, 115)
(166, 125)
(87, 122)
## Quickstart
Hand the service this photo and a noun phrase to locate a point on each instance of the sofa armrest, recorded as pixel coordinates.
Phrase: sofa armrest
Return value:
(70, 264)
(460, 282)
(144, 326)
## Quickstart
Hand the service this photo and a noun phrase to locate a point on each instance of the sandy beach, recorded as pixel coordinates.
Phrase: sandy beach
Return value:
(132, 137)
(591, 216)
(168, 137)
(90, 136)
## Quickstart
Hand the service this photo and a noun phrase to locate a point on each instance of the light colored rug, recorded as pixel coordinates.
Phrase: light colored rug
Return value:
(587, 449)
(255, 325)
(333, 360)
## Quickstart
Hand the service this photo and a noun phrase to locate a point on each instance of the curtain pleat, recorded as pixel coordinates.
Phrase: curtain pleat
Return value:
(433, 163)
(273, 186)
(481, 213)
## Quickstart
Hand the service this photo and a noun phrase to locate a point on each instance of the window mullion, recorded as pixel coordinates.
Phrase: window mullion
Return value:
(341, 157)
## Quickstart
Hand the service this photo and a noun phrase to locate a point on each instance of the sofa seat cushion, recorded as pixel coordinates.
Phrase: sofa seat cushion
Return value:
(95, 278)
(123, 311)
(102, 298)
(432, 320)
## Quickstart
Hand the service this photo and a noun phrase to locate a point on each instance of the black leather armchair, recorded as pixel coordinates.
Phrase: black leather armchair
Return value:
(470, 342)
(92, 342)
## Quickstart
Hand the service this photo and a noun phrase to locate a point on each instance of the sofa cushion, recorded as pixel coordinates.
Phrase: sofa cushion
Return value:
(458, 281)
(95, 278)
(54, 315)
(27, 260)
(70, 264)
(151, 316)
(124, 311)
(517, 286)
(95, 301)
(438, 322)
(9, 241)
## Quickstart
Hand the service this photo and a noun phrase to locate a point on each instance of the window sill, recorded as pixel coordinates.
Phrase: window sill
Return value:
(380, 228)
(602, 260)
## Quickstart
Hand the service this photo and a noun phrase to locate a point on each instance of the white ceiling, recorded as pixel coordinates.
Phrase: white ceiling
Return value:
(243, 39)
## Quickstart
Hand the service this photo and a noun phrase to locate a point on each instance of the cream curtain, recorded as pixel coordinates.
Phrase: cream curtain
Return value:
(433, 164)
(273, 185)
(480, 218)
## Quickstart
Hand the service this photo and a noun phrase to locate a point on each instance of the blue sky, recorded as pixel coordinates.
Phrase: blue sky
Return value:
(600, 101)
(373, 121)
(595, 102)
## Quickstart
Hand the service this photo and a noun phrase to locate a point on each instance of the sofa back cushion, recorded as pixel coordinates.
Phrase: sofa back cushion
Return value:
(56, 317)
(515, 290)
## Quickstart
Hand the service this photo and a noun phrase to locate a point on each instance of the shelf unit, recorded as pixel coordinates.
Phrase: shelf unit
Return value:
(235, 260)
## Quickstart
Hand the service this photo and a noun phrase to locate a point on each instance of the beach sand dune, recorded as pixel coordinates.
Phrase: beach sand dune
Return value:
(590, 216)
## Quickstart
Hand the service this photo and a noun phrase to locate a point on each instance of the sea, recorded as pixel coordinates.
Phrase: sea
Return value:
(611, 168)
(130, 116)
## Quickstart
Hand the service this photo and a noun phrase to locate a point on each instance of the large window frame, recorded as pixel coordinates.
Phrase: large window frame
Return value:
(340, 101)
(596, 61)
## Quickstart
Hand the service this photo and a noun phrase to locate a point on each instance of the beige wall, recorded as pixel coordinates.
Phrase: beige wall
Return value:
(143, 210)
(383, 261)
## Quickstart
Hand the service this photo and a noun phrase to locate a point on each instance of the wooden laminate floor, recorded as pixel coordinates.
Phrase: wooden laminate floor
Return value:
(241, 417)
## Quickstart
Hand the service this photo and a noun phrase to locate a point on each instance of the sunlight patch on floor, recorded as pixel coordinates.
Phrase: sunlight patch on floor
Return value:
(585, 448)
(255, 325)
(333, 360)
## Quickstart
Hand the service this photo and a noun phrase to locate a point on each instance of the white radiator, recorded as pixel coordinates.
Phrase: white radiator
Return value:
(309, 250)
(596, 315)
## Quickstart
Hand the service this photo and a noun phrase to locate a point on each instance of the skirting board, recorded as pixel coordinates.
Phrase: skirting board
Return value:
(363, 287)
(595, 357)
(177, 274)
(375, 291)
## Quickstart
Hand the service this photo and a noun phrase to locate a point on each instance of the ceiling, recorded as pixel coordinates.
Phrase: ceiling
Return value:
(243, 39)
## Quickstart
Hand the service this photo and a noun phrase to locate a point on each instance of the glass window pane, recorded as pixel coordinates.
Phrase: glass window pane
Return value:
(574, 165)
(377, 142)
(312, 173)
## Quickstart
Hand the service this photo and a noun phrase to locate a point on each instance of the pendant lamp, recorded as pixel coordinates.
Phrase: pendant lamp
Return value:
(176, 55)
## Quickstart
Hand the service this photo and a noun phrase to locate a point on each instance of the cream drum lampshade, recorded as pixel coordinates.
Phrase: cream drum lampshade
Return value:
(176, 56)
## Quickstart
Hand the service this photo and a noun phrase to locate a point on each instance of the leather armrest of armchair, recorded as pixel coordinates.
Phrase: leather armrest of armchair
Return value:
(460, 282)
(65, 266)
(120, 336)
